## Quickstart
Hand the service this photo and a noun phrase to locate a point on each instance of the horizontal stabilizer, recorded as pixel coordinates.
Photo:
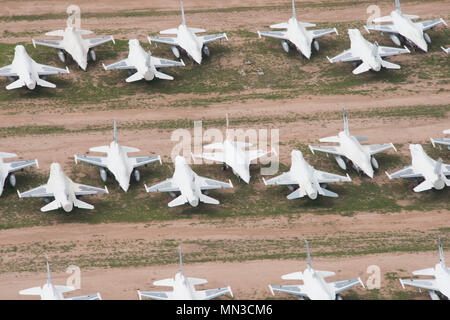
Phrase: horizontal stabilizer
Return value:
(325, 274)
(64, 289)
(169, 31)
(293, 276)
(4, 155)
(363, 67)
(197, 30)
(164, 283)
(307, 24)
(424, 272)
(382, 19)
(205, 199)
(55, 33)
(163, 76)
(51, 206)
(129, 149)
(296, 194)
(197, 281)
(330, 139)
(361, 139)
(178, 201)
(389, 65)
(282, 25)
(327, 193)
(104, 149)
(46, 84)
(135, 77)
(426, 185)
(82, 205)
(85, 32)
(16, 84)
(35, 291)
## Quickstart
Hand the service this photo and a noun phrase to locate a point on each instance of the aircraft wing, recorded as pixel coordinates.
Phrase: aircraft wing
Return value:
(95, 296)
(273, 34)
(326, 177)
(428, 24)
(7, 71)
(155, 295)
(213, 156)
(44, 70)
(213, 37)
(49, 43)
(376, 148)
(209, 184)
(428, 284)
(342, 285)
(327, 149)
(96, 161)
(345, 56)
(39, 192)
(390, 51)
(141, 161)
(289, 289)
(163, 63)
(166, 40)
(18, 165)
(321, 32)
(282, 179)
(389, 28)
(122, 64)
(212, 293)
(406, 172)
(165, 186)
(444, 141)
(93, 42)
(81, 189)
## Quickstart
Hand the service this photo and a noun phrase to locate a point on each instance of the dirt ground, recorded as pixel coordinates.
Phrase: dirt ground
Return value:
(248, 279)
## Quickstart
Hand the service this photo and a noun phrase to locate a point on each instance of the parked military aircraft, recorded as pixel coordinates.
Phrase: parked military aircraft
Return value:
(443, 141)
(7, 169)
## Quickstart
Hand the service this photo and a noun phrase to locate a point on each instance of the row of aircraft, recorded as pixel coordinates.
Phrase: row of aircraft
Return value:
(313, 287)
(24, 71)
(186, 186)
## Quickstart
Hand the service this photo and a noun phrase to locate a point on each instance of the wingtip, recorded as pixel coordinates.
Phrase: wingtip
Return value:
(335, 30)
(393, 147)
(160, 161)
(18, 193)
(34, 43)
(329, 59)
(139, 295)
(182, 62)
(76, 158)
(348, 177)
(225, 36)
(271, 290)
(67, 69)
(106, 190)
(401, 282)
(231, 184)
(104, 67)
(259, 35)
(389, 176)
(362, 283)
(432, 142)
(37, 163)
(311, 149)
(231, 292)
(146, 188)
(367, 29)
(264, 181)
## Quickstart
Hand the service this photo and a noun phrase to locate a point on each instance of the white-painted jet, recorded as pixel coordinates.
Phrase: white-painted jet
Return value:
(441, 281)
(443, 141)
(187, 186)
(118, 162)
(296, 35)
(232, 154)
(403, 30)
(7, 168)
(370, 55)
(65, 192)
(146, 66)
(183, 288)
(74, 44)
(186, 39)
(310, 181)
(433, 172)
(350, 150)
(314, 286)
(446, 50)
(51, 292)
(27, 71)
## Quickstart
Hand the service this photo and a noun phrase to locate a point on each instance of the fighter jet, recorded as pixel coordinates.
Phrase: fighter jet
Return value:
(296, 35)
(188, 186)
(187, 40)
(146, 66)
(370, 55)
(443, 141)
(28, 71)
(74, 44)
(310, 181)
(446, 50)
(441, 281)
(423, 167)
(51, 292)
(403, 30)
(183, 288)
(233, 155)
(350, 150)
(314, 285)
(7, 168)
(65, 192)
(118, 162)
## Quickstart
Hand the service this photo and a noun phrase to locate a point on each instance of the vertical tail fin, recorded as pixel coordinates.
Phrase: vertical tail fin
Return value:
(182, 13)
(293, 9)
(308, 255)
(115, 130)
(441, 253)
(48, 270)
(397, 5)
(181, 260)
(346, 130)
